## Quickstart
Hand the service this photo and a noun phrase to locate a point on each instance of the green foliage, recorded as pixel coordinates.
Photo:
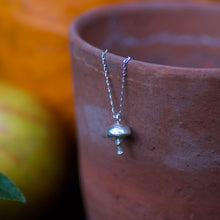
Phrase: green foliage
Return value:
(9, 191)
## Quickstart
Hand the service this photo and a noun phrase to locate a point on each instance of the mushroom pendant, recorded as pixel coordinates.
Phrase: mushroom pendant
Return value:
(119, 132)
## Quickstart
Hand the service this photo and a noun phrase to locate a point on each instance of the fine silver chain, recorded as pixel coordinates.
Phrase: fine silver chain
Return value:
(117, 116)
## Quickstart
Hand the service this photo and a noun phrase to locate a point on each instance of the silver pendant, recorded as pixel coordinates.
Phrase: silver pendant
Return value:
(119, 132)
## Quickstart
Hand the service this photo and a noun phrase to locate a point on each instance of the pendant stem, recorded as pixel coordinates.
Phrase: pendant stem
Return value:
(118, 142)
(119, 150)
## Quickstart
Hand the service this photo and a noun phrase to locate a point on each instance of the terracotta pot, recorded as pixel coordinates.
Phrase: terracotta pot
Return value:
(171, 165)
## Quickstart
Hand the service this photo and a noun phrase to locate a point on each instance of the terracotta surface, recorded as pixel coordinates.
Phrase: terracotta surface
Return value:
(171, 166)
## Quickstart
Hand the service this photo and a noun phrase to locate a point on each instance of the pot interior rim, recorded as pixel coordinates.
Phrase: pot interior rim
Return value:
(85, 19)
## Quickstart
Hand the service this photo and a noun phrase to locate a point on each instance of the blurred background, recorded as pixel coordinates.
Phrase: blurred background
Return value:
(38, 146)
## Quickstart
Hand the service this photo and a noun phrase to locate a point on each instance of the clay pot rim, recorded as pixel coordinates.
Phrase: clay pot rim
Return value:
(85, 18)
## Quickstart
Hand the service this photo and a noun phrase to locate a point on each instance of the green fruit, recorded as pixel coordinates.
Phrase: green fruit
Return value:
(31, 149)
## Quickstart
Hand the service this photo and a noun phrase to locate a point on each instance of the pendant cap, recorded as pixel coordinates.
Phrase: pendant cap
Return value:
(119, 131)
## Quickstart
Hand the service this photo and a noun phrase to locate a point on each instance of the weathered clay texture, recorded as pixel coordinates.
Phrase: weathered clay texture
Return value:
(171, 166)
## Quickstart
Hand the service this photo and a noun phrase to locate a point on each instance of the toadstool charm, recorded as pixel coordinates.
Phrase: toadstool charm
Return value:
(119, 132)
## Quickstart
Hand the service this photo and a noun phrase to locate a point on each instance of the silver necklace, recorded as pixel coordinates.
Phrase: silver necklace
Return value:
(117, 130)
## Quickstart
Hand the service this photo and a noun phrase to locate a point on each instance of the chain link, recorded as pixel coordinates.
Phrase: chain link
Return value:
(117, 116)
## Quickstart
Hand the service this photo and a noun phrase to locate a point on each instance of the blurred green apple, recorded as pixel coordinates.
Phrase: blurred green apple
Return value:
(31, 151)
